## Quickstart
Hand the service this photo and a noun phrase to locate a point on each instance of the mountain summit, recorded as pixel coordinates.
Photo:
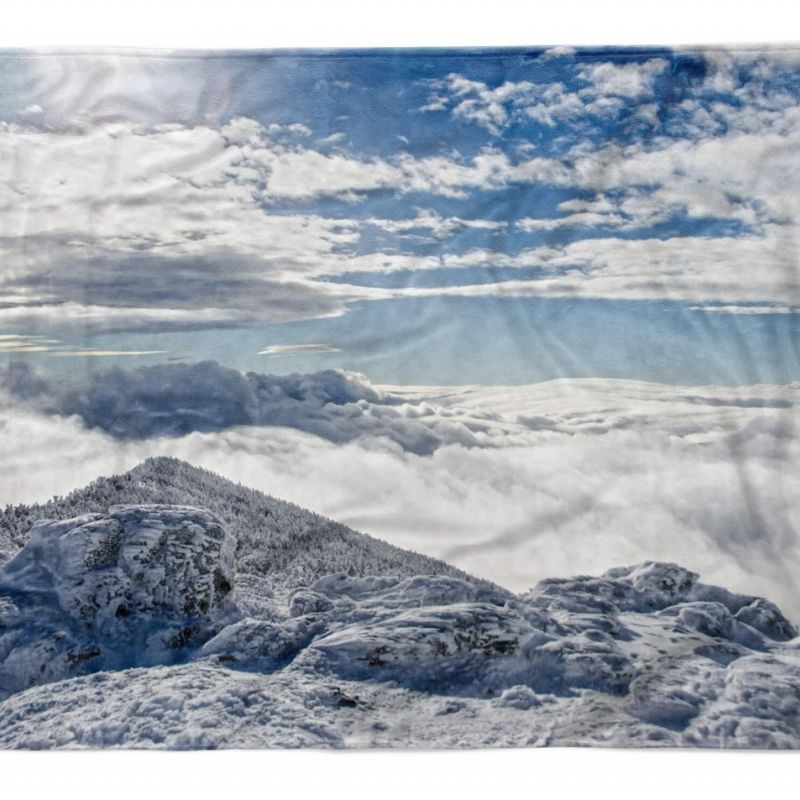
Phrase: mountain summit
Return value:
(276, 539)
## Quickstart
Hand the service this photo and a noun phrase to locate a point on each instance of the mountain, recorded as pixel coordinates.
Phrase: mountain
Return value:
(276, 539)
(170, 625)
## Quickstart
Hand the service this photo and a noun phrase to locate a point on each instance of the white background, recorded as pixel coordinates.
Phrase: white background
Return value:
(372, 23)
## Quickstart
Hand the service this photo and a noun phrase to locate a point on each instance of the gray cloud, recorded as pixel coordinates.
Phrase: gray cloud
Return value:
(176, 399)
(218, 289)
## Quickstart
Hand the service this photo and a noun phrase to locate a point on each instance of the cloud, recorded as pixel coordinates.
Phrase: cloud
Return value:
(24, 343)
(175, 399)
(632, 80)
(753, 269)
(31, 110)
(294, 128)
(600, 91)
(109, 226)
(623, 471)
(747, 309)
(334, 138)
(291, 349)
(118, 226)
(106, 353)
(438, 226)
(303, 174)
(561, 51)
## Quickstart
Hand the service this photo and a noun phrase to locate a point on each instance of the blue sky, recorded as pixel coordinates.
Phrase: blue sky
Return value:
(419, 216)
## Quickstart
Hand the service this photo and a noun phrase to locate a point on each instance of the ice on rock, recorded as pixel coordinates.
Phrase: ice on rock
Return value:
(260, 643)
(173, 561)
(519, 696)
(455, 647)
(645, 587)
(307, 601)
(767, 618)
(712, 619)
(137, 585)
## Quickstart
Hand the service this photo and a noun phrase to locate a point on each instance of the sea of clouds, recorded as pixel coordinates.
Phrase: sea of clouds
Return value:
(511, 483)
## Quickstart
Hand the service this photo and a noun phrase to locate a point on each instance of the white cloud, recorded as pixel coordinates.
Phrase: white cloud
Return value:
(582, 213)
(747, 309)
(334, 138)
(25, 343)
(195, 202)
(106, 353)
(32, 110)
(438, 226)
(561, 51)
(296, 128)
(548, 103)
(733, 270)
(293, 349)
(633, 80)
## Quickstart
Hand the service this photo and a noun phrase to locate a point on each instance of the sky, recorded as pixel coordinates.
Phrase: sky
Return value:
(421, 217)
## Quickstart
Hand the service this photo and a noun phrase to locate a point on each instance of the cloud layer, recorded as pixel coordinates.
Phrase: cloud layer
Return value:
(176, 399)
(669, 176)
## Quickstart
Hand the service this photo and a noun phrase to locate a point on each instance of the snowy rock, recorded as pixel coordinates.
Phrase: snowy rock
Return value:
(645, 587)
(580, 662)
(438, 648)
(379, 595)
(767, 618)
(139, 585)
(267, 644)
(712, 619)
(522, 697)
(170, 561)
(306, 601)
(126, 629)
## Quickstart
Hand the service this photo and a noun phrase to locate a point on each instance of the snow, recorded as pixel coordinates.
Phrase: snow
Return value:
(205, 656)
(136, 559)
(135, 585)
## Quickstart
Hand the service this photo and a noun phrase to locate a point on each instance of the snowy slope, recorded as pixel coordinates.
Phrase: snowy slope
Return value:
(200, 657)
(278, 539)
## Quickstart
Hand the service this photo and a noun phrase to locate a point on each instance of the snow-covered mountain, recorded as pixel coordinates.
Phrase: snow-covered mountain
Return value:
(154, 623)
(275, 539)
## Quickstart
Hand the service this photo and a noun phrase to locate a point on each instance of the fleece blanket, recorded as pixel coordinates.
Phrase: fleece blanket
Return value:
(400, 398)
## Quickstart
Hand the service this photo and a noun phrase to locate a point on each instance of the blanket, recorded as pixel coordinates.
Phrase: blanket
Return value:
(400, 398)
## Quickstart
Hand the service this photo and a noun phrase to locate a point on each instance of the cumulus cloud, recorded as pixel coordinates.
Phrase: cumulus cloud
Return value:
(633, 80)
(175, 399)
(596, 473)
(602, 88)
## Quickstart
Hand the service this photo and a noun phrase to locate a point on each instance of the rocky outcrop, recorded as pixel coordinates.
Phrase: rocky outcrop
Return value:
(639, 655)
(135, 585)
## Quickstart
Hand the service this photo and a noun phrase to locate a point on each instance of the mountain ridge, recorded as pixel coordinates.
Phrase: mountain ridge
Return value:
(277, 539)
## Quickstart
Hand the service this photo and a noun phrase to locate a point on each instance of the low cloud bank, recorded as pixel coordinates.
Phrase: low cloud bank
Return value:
(179, 399)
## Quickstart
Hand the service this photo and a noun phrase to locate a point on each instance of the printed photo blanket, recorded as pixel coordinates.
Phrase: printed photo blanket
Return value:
(400, 398)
